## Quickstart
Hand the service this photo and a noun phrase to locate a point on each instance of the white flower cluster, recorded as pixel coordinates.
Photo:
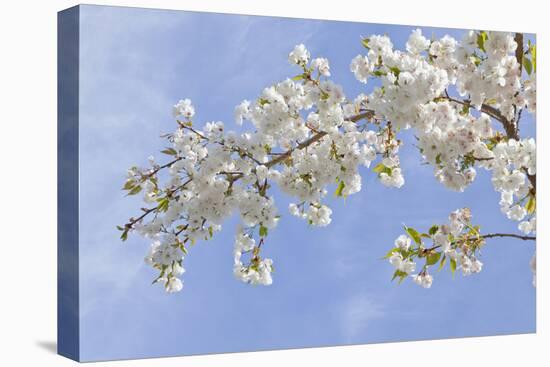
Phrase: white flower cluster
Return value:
(458, 241)
(167, 257)
(451, 135)
(305, 136)
(259, 270)
(513, 161)
(490, 78)
(408, 79)
(403, 265)
(184, 108)
(456, 245)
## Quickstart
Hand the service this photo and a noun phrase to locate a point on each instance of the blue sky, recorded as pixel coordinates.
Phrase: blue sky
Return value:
(331, 286)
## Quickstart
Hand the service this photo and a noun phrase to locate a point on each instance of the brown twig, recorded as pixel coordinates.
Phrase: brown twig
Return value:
(489, 235)
(315, 138)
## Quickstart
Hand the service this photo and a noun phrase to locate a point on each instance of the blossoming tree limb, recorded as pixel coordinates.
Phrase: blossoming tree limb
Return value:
(463, 99)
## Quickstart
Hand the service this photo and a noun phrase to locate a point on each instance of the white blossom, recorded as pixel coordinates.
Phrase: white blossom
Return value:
(300, 55)
(361, 67)
(417, 43)
(423, 279)
(184, 108)
(322, 65)
(403, 242)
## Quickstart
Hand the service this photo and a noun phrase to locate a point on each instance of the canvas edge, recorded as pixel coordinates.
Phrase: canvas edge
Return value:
(68, 323)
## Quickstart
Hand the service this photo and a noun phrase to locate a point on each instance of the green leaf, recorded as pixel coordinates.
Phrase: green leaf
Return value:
(365, 43)
(452, 262)
(395, 70)
(533, 50)
(163, 205)
(442, 263)
(120, 228)
(527, 65)
(129, 184)
(390, 253)
(169, 151)
(135, 190)
(399, 274)
(299, 77)
(211, 231)
(124, 235)
(531, 205)
(475, 59)
(481, 38)
(433, 229)
(433, 258)
(380, 168)
(340, 188)
(263, 231)
(402, 278)
(414, 235)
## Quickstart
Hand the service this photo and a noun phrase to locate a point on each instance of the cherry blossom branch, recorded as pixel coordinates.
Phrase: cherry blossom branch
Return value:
(133, 221)
(489, 235)
(509, 126)
(491, 111)
(214, 171)
(512, 235)
(159, 168)
(235, 176)
(146, 211)
(315, 138)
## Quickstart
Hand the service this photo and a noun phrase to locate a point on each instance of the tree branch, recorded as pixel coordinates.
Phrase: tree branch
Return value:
(315, 138)
(512, 235)
(154, 171)
(509, 127)
(518, 37)
(235, 176)
(489, 235)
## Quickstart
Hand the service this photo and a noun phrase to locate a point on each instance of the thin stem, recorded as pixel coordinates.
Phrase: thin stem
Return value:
(512, 235)
(133, 221)
(154, 171)
(490, 235)
(147, 211)
(183, 126)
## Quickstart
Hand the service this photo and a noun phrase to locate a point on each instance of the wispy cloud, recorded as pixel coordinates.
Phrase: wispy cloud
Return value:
(357, 314)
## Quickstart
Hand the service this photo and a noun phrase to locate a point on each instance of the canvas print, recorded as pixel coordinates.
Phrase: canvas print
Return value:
(232, 183)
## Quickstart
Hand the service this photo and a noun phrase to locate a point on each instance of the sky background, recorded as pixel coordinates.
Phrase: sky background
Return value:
(330, 286)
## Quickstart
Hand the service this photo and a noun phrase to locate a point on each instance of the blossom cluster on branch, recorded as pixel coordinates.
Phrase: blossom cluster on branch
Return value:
(463, 99)
(458, 241)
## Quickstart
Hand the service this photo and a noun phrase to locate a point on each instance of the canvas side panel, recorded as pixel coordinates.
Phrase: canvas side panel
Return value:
(67, 186)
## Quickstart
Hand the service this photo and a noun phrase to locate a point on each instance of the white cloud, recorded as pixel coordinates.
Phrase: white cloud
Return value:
(357, 313)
